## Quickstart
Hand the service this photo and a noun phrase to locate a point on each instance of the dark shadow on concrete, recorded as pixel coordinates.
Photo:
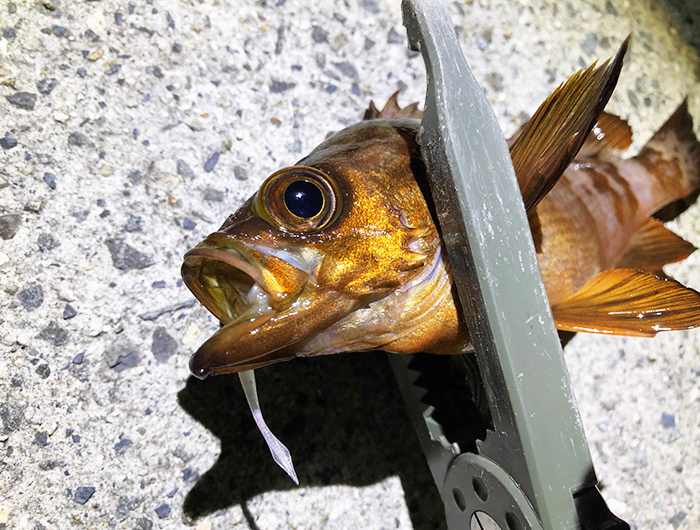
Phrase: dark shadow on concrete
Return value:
(342, 418)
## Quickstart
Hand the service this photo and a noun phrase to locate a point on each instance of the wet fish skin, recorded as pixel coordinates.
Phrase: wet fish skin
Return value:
(367, 270)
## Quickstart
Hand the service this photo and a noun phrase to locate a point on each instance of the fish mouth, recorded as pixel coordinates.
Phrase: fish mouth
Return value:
(268, 308)
(244, 290)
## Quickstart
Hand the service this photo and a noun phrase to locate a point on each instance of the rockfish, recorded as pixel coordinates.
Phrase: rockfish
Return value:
(342, 253)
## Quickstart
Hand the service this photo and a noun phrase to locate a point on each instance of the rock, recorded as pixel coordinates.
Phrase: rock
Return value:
(163, 345)
(678, 518)
(668, 420)
(8, 143)
(121, 355)
(22, 100)
(394, 37)
(54, 334)
(240, 173)
(188, 224)
(370, 5)
(347, 69)
(78, 139)
(9, 33)
(126, 504)
(34, 206)
(31, 297)
(69, 312)
(43, 371)
(214, 195)
(81, 72)
(144, 523)
(160, 284)
(184, 170)
(122, 443)
(46, 85)
(134, 224)
(126, 257)
(277, 87)
(211, 163)
(369, 44)
(9, 224)
(41, 438)
(78, 359)
(318, 34)
(113, 69)
(12, 416)
(589, 44)
(50, 180)
(59, 31)
(46, 242)
(83, 494)
(163, 511)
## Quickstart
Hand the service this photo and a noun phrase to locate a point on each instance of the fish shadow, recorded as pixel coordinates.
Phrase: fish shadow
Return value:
(342, 418)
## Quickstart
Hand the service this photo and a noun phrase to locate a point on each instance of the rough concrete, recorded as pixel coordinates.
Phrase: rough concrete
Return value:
(133, 128)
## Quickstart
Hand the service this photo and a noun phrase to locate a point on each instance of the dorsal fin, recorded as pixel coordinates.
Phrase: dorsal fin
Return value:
(629, 302)
(553, 136)
(392, 110)
(654, 246)
(610, 133)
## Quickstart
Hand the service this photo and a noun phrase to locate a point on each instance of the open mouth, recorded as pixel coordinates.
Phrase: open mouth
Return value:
(226, 284)
(249, 292)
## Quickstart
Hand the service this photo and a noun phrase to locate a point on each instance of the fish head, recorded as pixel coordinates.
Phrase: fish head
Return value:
(344, 228)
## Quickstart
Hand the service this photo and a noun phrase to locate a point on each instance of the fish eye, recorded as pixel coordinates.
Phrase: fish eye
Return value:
(303, 198)
(298, 199)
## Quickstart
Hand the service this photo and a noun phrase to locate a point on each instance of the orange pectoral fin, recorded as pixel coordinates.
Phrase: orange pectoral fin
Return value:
(550, 140)
(629, 302)
(654, 246)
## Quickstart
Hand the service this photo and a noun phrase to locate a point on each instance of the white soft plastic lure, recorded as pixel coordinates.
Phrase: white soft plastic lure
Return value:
(280, 453)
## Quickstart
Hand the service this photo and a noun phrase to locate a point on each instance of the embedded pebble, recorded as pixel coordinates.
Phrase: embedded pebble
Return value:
(31, 297)
(347, 69)
(211, 163)
(589, 44)
(41, 438)
(277, 87)
(184, 170)
(125, 257)
(163, 511)
(22, 100)
(394, 37)
(668, 420)
(163, 345)
(78, 359)
(54, 334)
(9, 224)
(12, 416)
(188, 224)
(122, 443)
(43, 371)
(7, 142)
(83, 494)
(240, 174)
(46, 85)
(69, 312)
(9, 33)
(127, 503)
(318, 34)
(214, 195)
(46, 242)
(50, 180)
(134, 224)
(78, 139)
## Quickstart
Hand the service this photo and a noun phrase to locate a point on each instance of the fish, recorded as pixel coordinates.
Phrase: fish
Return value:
(342, 252)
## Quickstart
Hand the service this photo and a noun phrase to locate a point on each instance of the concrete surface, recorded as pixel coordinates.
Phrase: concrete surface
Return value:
(107, 186)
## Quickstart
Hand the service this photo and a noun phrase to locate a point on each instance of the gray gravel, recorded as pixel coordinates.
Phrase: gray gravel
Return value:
(131, 129)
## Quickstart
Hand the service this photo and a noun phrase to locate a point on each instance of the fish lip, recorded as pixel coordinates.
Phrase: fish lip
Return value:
(200, 263)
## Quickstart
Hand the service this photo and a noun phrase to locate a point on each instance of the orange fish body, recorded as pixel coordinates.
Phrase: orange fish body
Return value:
(341, 252)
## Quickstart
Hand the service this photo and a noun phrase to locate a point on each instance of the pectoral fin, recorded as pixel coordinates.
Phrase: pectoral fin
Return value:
(551, 139)
(629, 302)
(654, 246)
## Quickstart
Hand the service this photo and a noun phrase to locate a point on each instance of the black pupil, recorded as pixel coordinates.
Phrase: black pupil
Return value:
(304, 199)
